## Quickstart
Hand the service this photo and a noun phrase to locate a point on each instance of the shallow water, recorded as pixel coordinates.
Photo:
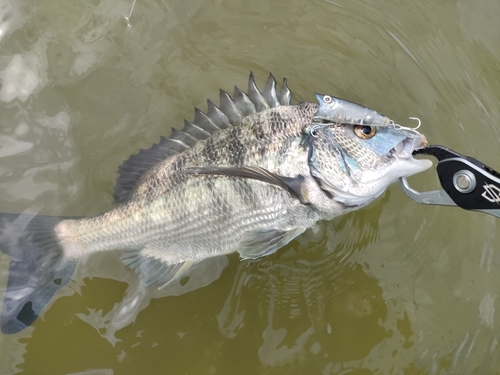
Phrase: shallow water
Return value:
(397, 288)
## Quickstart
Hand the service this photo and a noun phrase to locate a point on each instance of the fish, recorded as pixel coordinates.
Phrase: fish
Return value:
(246, 176)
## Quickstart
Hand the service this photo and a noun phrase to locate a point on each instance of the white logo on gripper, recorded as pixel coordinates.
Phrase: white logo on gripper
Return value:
(491, 193)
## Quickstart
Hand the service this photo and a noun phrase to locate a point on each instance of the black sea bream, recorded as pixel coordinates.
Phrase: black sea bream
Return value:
(247, 176)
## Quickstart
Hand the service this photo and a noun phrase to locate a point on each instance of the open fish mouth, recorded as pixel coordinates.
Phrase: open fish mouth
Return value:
(404, 149)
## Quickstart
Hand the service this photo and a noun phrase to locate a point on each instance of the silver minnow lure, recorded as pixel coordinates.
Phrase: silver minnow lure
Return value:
(341, 111)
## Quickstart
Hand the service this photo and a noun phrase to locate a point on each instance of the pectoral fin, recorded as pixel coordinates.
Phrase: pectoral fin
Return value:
(291, 184)
(260, 243)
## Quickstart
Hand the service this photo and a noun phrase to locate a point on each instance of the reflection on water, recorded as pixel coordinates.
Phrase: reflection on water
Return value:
(310, 310)
(137, 297)
(395, 288)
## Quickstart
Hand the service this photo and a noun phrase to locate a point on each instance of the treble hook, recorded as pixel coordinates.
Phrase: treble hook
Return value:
(419, 122)
(398, 127)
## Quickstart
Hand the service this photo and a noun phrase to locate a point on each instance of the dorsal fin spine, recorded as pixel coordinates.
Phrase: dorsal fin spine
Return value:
(255, 95)
(285, 95)
(204, 122)
(243, 102)
(175, 144)
(269, 92)
(217, 115)
(184, 137)
(229, 108)
(196, 131)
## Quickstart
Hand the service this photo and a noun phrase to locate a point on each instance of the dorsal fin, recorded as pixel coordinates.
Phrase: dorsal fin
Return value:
(230, 112)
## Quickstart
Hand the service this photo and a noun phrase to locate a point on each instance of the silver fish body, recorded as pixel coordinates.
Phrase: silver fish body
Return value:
(190, 206)
(247, 176)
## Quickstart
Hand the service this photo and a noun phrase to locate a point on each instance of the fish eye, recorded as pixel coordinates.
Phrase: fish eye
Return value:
(364, 131)
(327, 99)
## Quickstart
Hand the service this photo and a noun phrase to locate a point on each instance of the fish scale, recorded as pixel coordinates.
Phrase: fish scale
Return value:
(247, 176)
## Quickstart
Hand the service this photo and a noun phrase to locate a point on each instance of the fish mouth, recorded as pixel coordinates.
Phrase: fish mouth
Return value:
(404, 149)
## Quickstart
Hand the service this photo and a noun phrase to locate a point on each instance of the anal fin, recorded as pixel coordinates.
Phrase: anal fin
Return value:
(153, 271)
(259, 243)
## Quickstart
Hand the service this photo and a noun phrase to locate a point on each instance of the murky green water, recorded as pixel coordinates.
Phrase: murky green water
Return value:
(396, 288)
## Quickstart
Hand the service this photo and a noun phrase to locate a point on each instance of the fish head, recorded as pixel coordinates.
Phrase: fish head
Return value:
(356, 163)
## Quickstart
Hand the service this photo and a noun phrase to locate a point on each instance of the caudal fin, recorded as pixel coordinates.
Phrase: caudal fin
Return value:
(37, 270)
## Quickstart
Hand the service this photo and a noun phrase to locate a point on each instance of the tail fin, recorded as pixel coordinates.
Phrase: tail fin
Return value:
(37, 270)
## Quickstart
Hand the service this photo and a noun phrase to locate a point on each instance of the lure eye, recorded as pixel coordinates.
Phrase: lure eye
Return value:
(327, 99)
(364, 131)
